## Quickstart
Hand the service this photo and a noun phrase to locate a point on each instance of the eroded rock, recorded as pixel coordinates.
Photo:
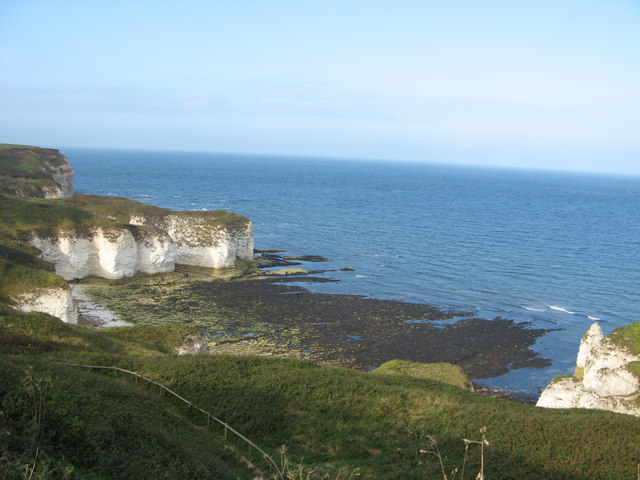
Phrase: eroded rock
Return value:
(109, 253)
(604, 379)
(57, 302)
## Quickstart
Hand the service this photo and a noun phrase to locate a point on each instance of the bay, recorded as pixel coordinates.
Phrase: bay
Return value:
(559, 250)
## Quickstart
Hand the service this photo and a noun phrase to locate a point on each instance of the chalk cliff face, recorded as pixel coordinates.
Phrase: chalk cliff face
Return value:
(54, 301)
(185, 238)
(605, 378)
(200, 241)
(62, 174)
(110, 253)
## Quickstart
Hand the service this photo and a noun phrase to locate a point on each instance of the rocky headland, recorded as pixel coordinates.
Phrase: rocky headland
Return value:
(607, 374)
(48, 232)
(34, 172)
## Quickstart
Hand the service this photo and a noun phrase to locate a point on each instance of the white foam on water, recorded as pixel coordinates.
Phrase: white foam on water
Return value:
(593, 318)
(531, 309)
(561, 309)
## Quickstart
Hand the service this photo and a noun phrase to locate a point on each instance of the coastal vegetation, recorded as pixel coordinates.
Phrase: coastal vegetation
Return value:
(123, 209)
(21, 217)
(96, 424)
(21, 272)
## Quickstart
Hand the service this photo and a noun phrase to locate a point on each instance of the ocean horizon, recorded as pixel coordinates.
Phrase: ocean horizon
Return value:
(558, 250)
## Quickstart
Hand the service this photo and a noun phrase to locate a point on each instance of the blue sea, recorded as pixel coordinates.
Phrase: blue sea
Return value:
(556, 250)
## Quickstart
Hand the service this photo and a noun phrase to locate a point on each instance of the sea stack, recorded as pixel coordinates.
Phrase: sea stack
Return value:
(607, 374)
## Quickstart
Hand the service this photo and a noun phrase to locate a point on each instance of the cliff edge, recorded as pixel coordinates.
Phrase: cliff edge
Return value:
(34, 172)
(28, 284)
(607, 374)
(212, 239)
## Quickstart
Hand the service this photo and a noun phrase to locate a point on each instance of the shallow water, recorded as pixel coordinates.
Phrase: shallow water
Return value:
(558, 250)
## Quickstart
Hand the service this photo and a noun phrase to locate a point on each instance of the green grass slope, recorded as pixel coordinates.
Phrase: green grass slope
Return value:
(21, 272)
(108, 425)
(440, 372)
(21, 217)
(62, 422)
(36, 332)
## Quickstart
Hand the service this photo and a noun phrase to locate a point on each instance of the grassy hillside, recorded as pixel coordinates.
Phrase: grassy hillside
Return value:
(20, 272)
(61, 422)
(109, 425)
(19, 217)
(440, 372)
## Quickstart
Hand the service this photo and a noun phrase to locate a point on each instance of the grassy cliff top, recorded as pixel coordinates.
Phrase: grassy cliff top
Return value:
(19, 161)
(122, 209)
(628, 336)
(6, 146)
(27, 171)
(19, 217)
(117, 208)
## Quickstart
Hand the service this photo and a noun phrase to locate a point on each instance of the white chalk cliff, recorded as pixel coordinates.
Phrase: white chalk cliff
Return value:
(90, 235)
(200, 241)
(107, 252)
(61, 173)
(187, 239)
(54, 301)
(603, 379)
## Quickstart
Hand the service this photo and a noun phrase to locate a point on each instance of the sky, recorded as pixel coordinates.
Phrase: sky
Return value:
(542, 84)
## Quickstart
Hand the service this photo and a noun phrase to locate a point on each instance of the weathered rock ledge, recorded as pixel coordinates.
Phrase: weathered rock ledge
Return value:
(606, 376)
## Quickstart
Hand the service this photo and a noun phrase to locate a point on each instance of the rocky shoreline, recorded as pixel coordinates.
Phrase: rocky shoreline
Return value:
(275, 316)
(92, 314)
